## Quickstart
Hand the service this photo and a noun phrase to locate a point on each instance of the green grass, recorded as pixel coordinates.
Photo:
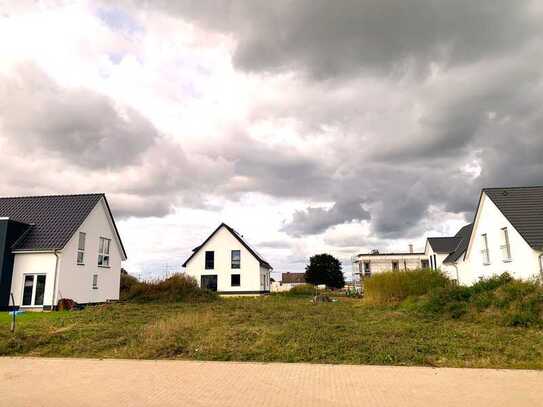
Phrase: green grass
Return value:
(274, 328)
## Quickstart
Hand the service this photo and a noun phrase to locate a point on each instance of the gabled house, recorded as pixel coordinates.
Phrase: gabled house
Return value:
(507, 235)
(55, 247)
(226, 263)
(437, 249)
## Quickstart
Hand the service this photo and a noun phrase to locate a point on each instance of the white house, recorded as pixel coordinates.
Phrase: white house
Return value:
(226, 263)
(55, 247)
(507, 236)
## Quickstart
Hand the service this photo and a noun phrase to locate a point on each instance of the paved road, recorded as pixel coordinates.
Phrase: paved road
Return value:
(83, 382)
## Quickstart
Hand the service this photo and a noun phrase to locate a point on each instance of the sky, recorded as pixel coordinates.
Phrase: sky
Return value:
(309, 126)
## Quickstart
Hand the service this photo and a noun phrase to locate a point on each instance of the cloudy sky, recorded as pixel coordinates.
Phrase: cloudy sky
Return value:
(308, 125)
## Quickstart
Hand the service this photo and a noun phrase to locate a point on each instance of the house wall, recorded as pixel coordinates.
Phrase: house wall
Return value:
(489, 219)
(33, 263)
(381, 263)
(429, 252)
(222, 243)
(75, 281)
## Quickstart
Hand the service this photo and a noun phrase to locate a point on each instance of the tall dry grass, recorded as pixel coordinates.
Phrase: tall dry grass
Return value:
(396, 286)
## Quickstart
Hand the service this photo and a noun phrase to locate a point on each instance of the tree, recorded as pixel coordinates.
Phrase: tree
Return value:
(324, 269)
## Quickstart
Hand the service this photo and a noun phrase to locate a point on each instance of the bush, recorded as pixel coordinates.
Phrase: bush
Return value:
(302, 290)
(395, 286)
(177, 288)
(127, 282)
(501, 298)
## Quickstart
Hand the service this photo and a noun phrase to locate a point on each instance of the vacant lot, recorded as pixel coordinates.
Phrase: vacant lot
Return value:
(272, 329)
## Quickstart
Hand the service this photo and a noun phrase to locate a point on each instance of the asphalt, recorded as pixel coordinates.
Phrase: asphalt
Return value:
(87, 382)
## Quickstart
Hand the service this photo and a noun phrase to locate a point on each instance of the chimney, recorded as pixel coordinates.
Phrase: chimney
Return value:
(410, 248)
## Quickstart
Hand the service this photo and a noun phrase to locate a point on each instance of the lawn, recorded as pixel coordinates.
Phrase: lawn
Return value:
(270, 329)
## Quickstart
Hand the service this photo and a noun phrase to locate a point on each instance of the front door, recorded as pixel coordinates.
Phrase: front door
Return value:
(33, 290)
(209, 282)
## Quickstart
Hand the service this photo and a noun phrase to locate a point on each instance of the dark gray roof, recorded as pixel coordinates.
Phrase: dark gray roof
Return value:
(443, 244)
(293, 278)
(240, 238)
(54, 218)
(523, 207)
(464, 235)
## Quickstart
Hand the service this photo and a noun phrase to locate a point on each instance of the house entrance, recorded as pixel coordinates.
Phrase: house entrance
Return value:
(209, 282)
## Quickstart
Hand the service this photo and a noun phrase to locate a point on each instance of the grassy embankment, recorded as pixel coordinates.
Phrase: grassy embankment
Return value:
(276, 328)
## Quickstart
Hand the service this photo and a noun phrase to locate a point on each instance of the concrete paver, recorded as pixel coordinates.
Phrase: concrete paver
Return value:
(88, 382)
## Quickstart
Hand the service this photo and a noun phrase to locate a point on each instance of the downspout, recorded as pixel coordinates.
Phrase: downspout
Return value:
(55, 280)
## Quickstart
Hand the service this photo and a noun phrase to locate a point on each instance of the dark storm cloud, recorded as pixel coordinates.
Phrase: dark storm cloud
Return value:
(80, 125)
(333, 38)
(313, 221)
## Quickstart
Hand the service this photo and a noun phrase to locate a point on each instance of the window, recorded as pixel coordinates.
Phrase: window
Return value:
(103, 252)
(236, 259)
(395, 266)
(210, 260)
(95, 281)
(506, 247)
(484, 251)
(81, 248)
(424, 264)
(235, 280)
(367, 269)
(33, 289)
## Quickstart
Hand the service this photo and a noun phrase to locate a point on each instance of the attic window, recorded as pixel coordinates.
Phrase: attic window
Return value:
(484, 252)
(236, 259)
(81, 248)
(103, 252)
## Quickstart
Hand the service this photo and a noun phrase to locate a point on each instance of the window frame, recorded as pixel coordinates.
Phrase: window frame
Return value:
(95, 281)
(485, 252)
(103, 254)
(506, 246)
(35, 277)
(233, 265)
(232, 280)
(81, 251)
(209, 263)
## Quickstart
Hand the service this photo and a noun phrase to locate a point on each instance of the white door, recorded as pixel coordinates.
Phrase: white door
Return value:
(33, 290)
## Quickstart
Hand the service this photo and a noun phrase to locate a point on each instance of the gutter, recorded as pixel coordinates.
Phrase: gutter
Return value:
(55, 279)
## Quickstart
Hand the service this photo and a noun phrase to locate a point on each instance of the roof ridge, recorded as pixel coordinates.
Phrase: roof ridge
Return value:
(515, 187)
(52, 196)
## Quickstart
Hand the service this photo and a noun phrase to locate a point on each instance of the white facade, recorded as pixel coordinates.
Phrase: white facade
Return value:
(435, 259)
(254, 277)
(524, 262)
(64, 277)
(377, 263)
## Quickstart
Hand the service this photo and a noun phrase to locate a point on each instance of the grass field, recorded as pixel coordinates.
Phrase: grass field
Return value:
(270, 329)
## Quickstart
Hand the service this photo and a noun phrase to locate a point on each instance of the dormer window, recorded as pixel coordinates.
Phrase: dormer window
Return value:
(103, 252)
(81, 248)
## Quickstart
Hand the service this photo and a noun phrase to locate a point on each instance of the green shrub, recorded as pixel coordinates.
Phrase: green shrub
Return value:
(502, 299)
(127, 282)
(177, 288)
(394, 286)
(302, 290)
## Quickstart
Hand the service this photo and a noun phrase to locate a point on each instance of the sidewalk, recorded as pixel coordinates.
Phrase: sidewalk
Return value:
(84, 382)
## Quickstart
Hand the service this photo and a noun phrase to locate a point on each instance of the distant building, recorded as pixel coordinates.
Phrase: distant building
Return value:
(288, 280)
(226, 263)
(376, 262)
